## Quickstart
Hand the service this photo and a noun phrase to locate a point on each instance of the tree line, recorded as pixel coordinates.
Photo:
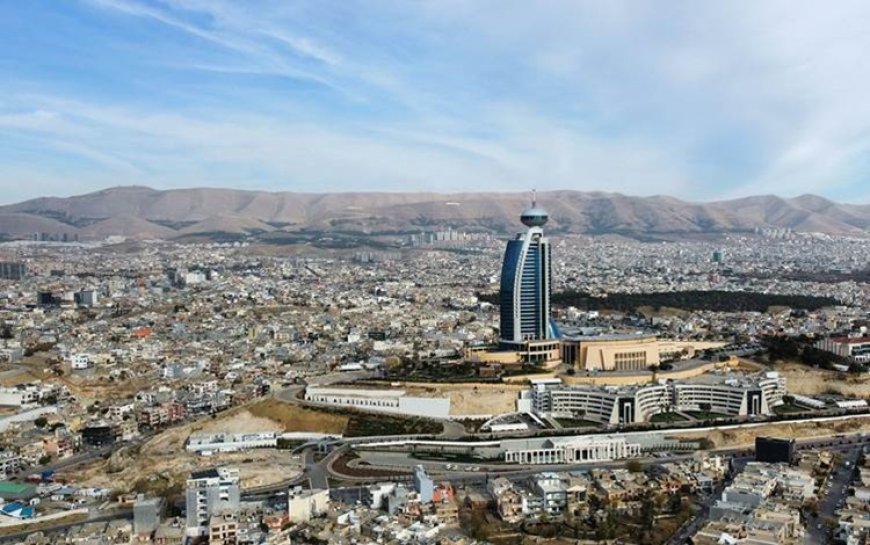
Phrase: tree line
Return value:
(719, 301)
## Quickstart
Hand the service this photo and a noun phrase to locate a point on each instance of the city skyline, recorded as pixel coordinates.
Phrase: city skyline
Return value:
(700, 102)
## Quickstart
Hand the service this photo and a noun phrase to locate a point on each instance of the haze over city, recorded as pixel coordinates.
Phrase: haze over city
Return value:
(697, 101)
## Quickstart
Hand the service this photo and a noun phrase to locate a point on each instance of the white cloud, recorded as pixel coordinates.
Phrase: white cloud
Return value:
(699, 100)
(530, 152)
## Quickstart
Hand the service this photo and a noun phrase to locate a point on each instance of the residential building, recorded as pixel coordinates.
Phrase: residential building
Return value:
(223, 529)
(146, 516)
(423, 484)
(210, 492)
(856, 348)
(302, 505)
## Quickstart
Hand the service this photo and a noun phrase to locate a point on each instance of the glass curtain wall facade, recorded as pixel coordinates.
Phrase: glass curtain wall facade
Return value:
(525, 289)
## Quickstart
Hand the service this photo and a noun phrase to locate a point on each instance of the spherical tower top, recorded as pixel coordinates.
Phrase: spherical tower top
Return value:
(534, 216)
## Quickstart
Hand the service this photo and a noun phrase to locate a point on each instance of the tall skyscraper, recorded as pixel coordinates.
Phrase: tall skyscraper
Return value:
(524, 297)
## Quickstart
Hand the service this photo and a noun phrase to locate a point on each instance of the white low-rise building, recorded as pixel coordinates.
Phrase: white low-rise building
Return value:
(303, 505)
(80, 361)
(10, 463)
(807, 401)
(26, 415)
(855, 348)
(211, 443)
(569, 450)
(386, 400)
(18, 396)
(851, 403)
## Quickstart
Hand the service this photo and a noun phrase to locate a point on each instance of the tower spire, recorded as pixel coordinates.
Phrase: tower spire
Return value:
(534, 198)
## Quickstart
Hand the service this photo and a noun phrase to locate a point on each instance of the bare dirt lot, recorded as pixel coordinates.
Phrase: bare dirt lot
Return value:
(805, 380)
(165, 457)
(13, 376)
(126, 471)
(466, 400)
(291, 417)
(743, 437)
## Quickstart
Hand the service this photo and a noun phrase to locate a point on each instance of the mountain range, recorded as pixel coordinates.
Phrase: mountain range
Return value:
(144, 213)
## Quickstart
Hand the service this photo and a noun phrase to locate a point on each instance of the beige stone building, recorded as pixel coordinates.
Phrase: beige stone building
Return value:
(546, 352)
(611, 352)
(625, 352)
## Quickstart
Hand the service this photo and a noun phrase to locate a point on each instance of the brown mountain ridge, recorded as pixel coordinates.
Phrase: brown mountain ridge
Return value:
(141, 212)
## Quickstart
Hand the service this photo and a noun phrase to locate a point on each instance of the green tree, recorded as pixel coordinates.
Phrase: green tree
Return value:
(634, 466)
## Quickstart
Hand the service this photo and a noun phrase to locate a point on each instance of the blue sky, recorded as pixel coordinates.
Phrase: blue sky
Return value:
(700, 100)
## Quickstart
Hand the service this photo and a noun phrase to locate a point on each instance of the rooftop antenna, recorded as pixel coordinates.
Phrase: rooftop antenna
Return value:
(534, 198)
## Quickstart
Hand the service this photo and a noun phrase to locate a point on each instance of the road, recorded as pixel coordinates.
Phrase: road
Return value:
(691, 526)
(840, 478)
(837, 486)
(81, 458)
(317, 472)
(404, 462)
(21, 536)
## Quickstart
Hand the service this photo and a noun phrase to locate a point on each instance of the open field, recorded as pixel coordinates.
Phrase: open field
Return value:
(157, 471)
(465, 399)
(805, 380)
(292, 417)
(746, 436)
(163, 463)
(11, 377)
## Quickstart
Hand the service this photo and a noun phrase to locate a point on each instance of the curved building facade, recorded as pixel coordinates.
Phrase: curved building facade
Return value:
(524, 298)
(524, 295)
(744, 396)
